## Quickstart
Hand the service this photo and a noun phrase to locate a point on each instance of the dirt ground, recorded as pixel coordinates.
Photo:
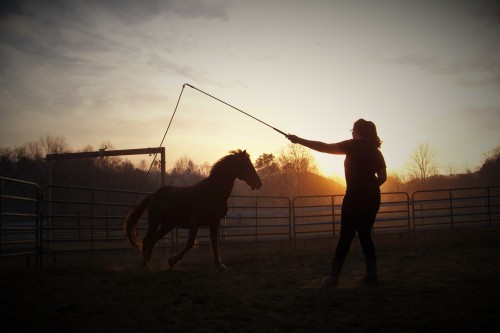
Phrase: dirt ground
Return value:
(443, 282)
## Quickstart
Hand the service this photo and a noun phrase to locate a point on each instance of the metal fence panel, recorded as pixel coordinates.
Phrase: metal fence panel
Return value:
(19, 219)
(394, 215)
(76, 218)
(316, 216)
(461, 208)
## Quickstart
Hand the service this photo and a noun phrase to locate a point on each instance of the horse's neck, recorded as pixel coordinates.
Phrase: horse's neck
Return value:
(221, 185)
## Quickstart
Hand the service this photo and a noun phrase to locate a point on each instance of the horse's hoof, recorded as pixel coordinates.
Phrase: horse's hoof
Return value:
(171, 261)
(146, 265)
(221, 268)
(329, 281)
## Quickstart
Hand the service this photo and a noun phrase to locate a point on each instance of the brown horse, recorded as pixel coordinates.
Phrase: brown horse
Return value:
(202, 204)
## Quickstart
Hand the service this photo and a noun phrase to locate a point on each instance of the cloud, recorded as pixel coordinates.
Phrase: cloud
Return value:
(74, 32)
(486, 119)
(490, 13)
(200, 8)
(479, 70)
(163, 65)
(59, 56)
(461, 43)
(129, 11)
(431, 64)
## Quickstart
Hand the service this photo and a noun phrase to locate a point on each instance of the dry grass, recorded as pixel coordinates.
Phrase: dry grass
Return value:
(443, 283)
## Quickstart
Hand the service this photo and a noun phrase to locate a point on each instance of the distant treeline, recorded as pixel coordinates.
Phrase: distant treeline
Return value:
(487, 175)
(289, 173)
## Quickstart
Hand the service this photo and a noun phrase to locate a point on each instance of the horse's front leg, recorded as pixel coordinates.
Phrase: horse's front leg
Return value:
(214, 240)
(174, 258)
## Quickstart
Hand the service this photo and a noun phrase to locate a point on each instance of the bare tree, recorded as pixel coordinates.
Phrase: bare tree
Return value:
(54, 144)
(184, 165)
(33, 150)
(295, 163)
(423, 163)
(143, 165)
(266, 165)
(204, 169)
(297, 159)
(185, 172)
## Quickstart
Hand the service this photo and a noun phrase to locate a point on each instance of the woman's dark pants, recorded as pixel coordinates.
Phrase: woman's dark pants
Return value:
(359, 210)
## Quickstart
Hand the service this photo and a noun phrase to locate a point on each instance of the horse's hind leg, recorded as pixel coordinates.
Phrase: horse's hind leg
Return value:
(174, 258)
(155, 232)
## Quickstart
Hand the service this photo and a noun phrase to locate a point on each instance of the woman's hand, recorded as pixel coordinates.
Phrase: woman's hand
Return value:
(293, 138)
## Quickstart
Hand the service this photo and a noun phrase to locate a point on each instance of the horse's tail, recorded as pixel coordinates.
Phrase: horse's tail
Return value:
(131, 220)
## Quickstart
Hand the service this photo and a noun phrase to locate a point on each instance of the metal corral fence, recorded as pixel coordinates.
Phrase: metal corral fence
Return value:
(78, 218)
(462, 208)
(316, 216)
(64, 218)
(19, 218)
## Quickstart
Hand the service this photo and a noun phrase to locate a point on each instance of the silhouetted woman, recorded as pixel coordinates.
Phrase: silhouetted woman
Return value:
(365, 172)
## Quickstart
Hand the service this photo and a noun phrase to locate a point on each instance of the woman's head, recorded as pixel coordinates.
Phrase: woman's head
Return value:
(368, 131)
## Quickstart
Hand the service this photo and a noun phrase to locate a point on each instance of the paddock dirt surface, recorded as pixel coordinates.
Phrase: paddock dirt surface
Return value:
(443, 282)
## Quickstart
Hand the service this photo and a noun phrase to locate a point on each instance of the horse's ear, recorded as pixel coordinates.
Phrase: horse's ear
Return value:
(244, 151)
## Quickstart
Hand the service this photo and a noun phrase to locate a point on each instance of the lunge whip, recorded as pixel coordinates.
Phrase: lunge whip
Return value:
(231, 106)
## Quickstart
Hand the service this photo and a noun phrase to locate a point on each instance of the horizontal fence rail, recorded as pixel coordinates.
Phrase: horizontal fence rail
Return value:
(64, 218)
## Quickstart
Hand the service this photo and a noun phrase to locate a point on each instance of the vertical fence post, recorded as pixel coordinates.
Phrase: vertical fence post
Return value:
(451, 208)
(92, 220)
(291, 214)
(332, 200)
(489, 206)
(107, 224)
(256, 221)
(37, 228)
(292, 219)
(1, 211)
(414, 216)
(408, 207)
(41, 212)
(79, 226)
(162, 166)
(291, 237)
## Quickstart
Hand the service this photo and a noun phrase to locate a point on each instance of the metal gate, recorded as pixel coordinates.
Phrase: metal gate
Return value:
(19, 218)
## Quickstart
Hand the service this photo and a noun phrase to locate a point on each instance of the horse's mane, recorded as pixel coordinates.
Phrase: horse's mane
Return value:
(220, 164)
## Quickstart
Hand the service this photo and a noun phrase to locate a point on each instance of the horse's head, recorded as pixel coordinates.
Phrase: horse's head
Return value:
(245, 170)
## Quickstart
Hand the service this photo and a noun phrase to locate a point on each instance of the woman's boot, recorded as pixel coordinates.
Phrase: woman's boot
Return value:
(371, 277)
(333, 279)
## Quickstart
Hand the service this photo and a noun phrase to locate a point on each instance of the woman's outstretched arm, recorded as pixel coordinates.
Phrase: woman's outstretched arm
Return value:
(330, 148)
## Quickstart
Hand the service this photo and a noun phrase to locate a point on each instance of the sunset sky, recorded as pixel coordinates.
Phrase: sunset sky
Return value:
(96, 71)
